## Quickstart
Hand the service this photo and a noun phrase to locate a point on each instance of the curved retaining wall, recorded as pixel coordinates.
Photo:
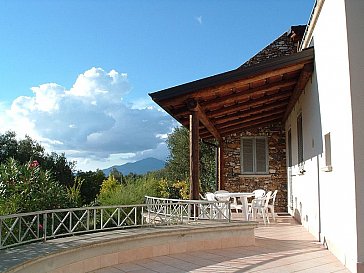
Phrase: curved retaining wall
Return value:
(89, 252)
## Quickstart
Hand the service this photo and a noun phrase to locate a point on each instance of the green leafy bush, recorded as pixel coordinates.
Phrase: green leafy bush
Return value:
(26, 188)
(114, 193)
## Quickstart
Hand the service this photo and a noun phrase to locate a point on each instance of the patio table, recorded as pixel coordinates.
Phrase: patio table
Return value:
(243, 196)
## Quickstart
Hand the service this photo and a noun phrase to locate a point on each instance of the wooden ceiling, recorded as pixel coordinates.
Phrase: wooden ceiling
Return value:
(242, 98)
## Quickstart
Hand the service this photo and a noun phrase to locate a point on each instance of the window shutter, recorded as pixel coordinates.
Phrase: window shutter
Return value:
(328, 149)
(261, 155)
(300, 138)
(248, 155)
(289, 148)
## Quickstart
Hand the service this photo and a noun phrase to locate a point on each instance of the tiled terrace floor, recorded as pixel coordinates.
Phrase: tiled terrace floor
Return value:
(281, 247)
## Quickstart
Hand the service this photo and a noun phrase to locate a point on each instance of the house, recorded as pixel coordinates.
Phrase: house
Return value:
(292, 119)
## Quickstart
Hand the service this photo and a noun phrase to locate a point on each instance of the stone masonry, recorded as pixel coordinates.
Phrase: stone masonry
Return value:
(276, 179)
(282, 46)
(286, 44)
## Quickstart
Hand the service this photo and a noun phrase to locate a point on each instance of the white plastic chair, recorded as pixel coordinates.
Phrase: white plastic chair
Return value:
(218, 209)
(221, 191)
(210, 196)
(235, 205)
(261, 205)
(259, 193)
(202, 197)
(271, 205)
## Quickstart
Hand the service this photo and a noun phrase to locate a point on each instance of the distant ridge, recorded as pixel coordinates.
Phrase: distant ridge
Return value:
(139, 167)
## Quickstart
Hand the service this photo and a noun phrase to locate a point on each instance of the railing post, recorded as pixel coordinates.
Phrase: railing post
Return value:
(102, 219)
(1, 233)
(19, 239)
(189, 211)
(44, 227)
(70, 225)
(88, 219)
(52, 229)
(95, 217)
(142, 216)
(118, 216)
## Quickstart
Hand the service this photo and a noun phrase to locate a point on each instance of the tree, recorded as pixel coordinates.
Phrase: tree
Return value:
(117, 175)
(27, 187)
(91, 185)
(27, 149)
(8, 146)
(61, 168)
(178, 163)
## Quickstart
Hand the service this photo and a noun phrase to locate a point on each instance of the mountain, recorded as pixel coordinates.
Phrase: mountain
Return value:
(139, 167)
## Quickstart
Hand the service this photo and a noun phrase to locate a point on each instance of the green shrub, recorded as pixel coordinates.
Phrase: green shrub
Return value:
(131, 193)
(26, 188)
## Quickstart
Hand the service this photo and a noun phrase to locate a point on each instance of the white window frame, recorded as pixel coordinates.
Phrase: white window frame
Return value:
(254, 155)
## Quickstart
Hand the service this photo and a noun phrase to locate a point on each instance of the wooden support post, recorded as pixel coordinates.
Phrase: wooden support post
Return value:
(194, 156)
(221, 167)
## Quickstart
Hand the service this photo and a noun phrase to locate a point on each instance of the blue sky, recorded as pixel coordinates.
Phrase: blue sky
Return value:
(75, 75)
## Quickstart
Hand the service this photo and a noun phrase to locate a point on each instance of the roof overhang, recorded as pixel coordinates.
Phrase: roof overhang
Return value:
(242, 98)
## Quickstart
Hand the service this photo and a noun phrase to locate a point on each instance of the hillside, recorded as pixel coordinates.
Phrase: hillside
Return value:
(139, 167)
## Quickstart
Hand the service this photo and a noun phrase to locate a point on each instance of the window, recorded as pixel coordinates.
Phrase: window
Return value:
(328, 167)
(254, 155)
(289, 148)
(300, 139)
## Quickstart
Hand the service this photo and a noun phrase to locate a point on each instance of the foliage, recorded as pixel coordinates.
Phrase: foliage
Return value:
(27, 149)
(109, 185)
(183, 189)
(90, 188)
(74, 192)
(61, 169)
(117, 175)
(27, 187)
(133, 192)
(177, 168)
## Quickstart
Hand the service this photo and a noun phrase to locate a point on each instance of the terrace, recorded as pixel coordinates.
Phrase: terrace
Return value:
(160, 236)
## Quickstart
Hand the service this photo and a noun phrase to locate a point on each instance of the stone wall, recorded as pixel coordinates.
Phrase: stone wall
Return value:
(282, 46)
(277, 176)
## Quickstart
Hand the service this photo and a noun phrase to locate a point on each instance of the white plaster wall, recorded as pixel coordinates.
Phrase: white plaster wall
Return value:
(355, 29)
(304, 187)
(326, 107)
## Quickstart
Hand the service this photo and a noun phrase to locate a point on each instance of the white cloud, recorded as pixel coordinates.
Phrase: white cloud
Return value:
(199, 19)
(90, 122)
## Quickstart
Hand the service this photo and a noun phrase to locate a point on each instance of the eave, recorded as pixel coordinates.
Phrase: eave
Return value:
(242, 98)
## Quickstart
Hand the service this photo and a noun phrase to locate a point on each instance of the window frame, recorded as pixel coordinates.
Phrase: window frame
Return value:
(300, 141)
(289, 146)
(254, 146)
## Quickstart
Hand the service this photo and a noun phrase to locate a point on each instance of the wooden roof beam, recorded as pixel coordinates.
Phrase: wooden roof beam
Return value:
(300, 86)
(249, 124)
(256, 117)
(244, 94)
(193, 105)
(248, 104)
(257, 76)
(258, 110)
(239, 96)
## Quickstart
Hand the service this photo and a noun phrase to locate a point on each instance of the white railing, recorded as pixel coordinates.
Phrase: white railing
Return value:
(17, 229)
(171, 211)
